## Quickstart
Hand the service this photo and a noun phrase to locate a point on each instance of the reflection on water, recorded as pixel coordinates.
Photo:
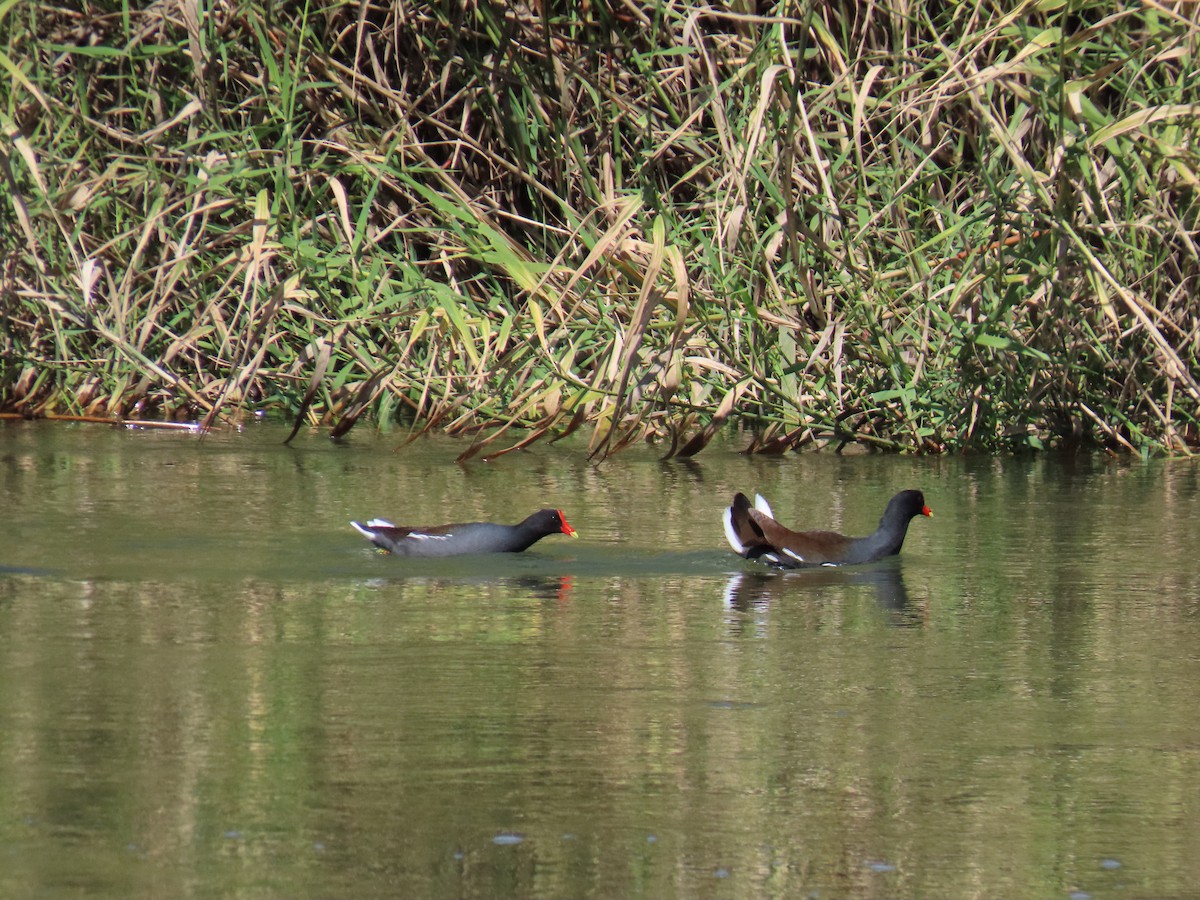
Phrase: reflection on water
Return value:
(540, 587)
(209, 687)
(885, 579)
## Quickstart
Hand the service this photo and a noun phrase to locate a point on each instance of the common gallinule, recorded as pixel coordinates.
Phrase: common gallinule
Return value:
(469, 537)
(752, 532)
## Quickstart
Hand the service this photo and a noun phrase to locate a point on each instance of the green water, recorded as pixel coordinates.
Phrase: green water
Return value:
(211, 686)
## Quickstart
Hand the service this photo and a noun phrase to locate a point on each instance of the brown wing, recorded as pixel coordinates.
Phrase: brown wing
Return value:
(386, 536)
(399, 532)
(811, 548)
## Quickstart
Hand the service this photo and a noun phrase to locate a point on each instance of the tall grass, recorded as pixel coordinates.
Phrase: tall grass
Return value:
(928, 227)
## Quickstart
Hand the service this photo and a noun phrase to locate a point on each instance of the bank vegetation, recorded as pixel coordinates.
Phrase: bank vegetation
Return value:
(919, 227)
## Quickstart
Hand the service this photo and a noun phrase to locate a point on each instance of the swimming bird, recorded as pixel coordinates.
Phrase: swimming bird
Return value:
(465, 538)
(753, 533)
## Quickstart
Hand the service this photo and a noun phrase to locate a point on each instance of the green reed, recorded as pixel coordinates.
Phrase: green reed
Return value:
(968, 227)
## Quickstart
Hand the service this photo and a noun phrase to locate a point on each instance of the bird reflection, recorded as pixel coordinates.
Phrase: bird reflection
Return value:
(539, 587)
(746, 591)
(546, 587)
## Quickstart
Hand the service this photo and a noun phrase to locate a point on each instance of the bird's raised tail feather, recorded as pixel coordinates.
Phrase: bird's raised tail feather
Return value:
(743, 533)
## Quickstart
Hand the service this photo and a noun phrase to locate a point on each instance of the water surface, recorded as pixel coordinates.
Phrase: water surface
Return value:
(211, 686)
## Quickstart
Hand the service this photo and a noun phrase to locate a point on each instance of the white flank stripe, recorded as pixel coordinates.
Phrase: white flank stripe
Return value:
(795, 556)
(380, 523)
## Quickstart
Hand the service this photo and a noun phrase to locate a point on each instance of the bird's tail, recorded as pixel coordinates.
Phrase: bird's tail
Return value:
(743, 533)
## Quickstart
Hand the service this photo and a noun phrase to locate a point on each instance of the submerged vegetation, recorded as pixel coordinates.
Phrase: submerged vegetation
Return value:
(928, 227)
